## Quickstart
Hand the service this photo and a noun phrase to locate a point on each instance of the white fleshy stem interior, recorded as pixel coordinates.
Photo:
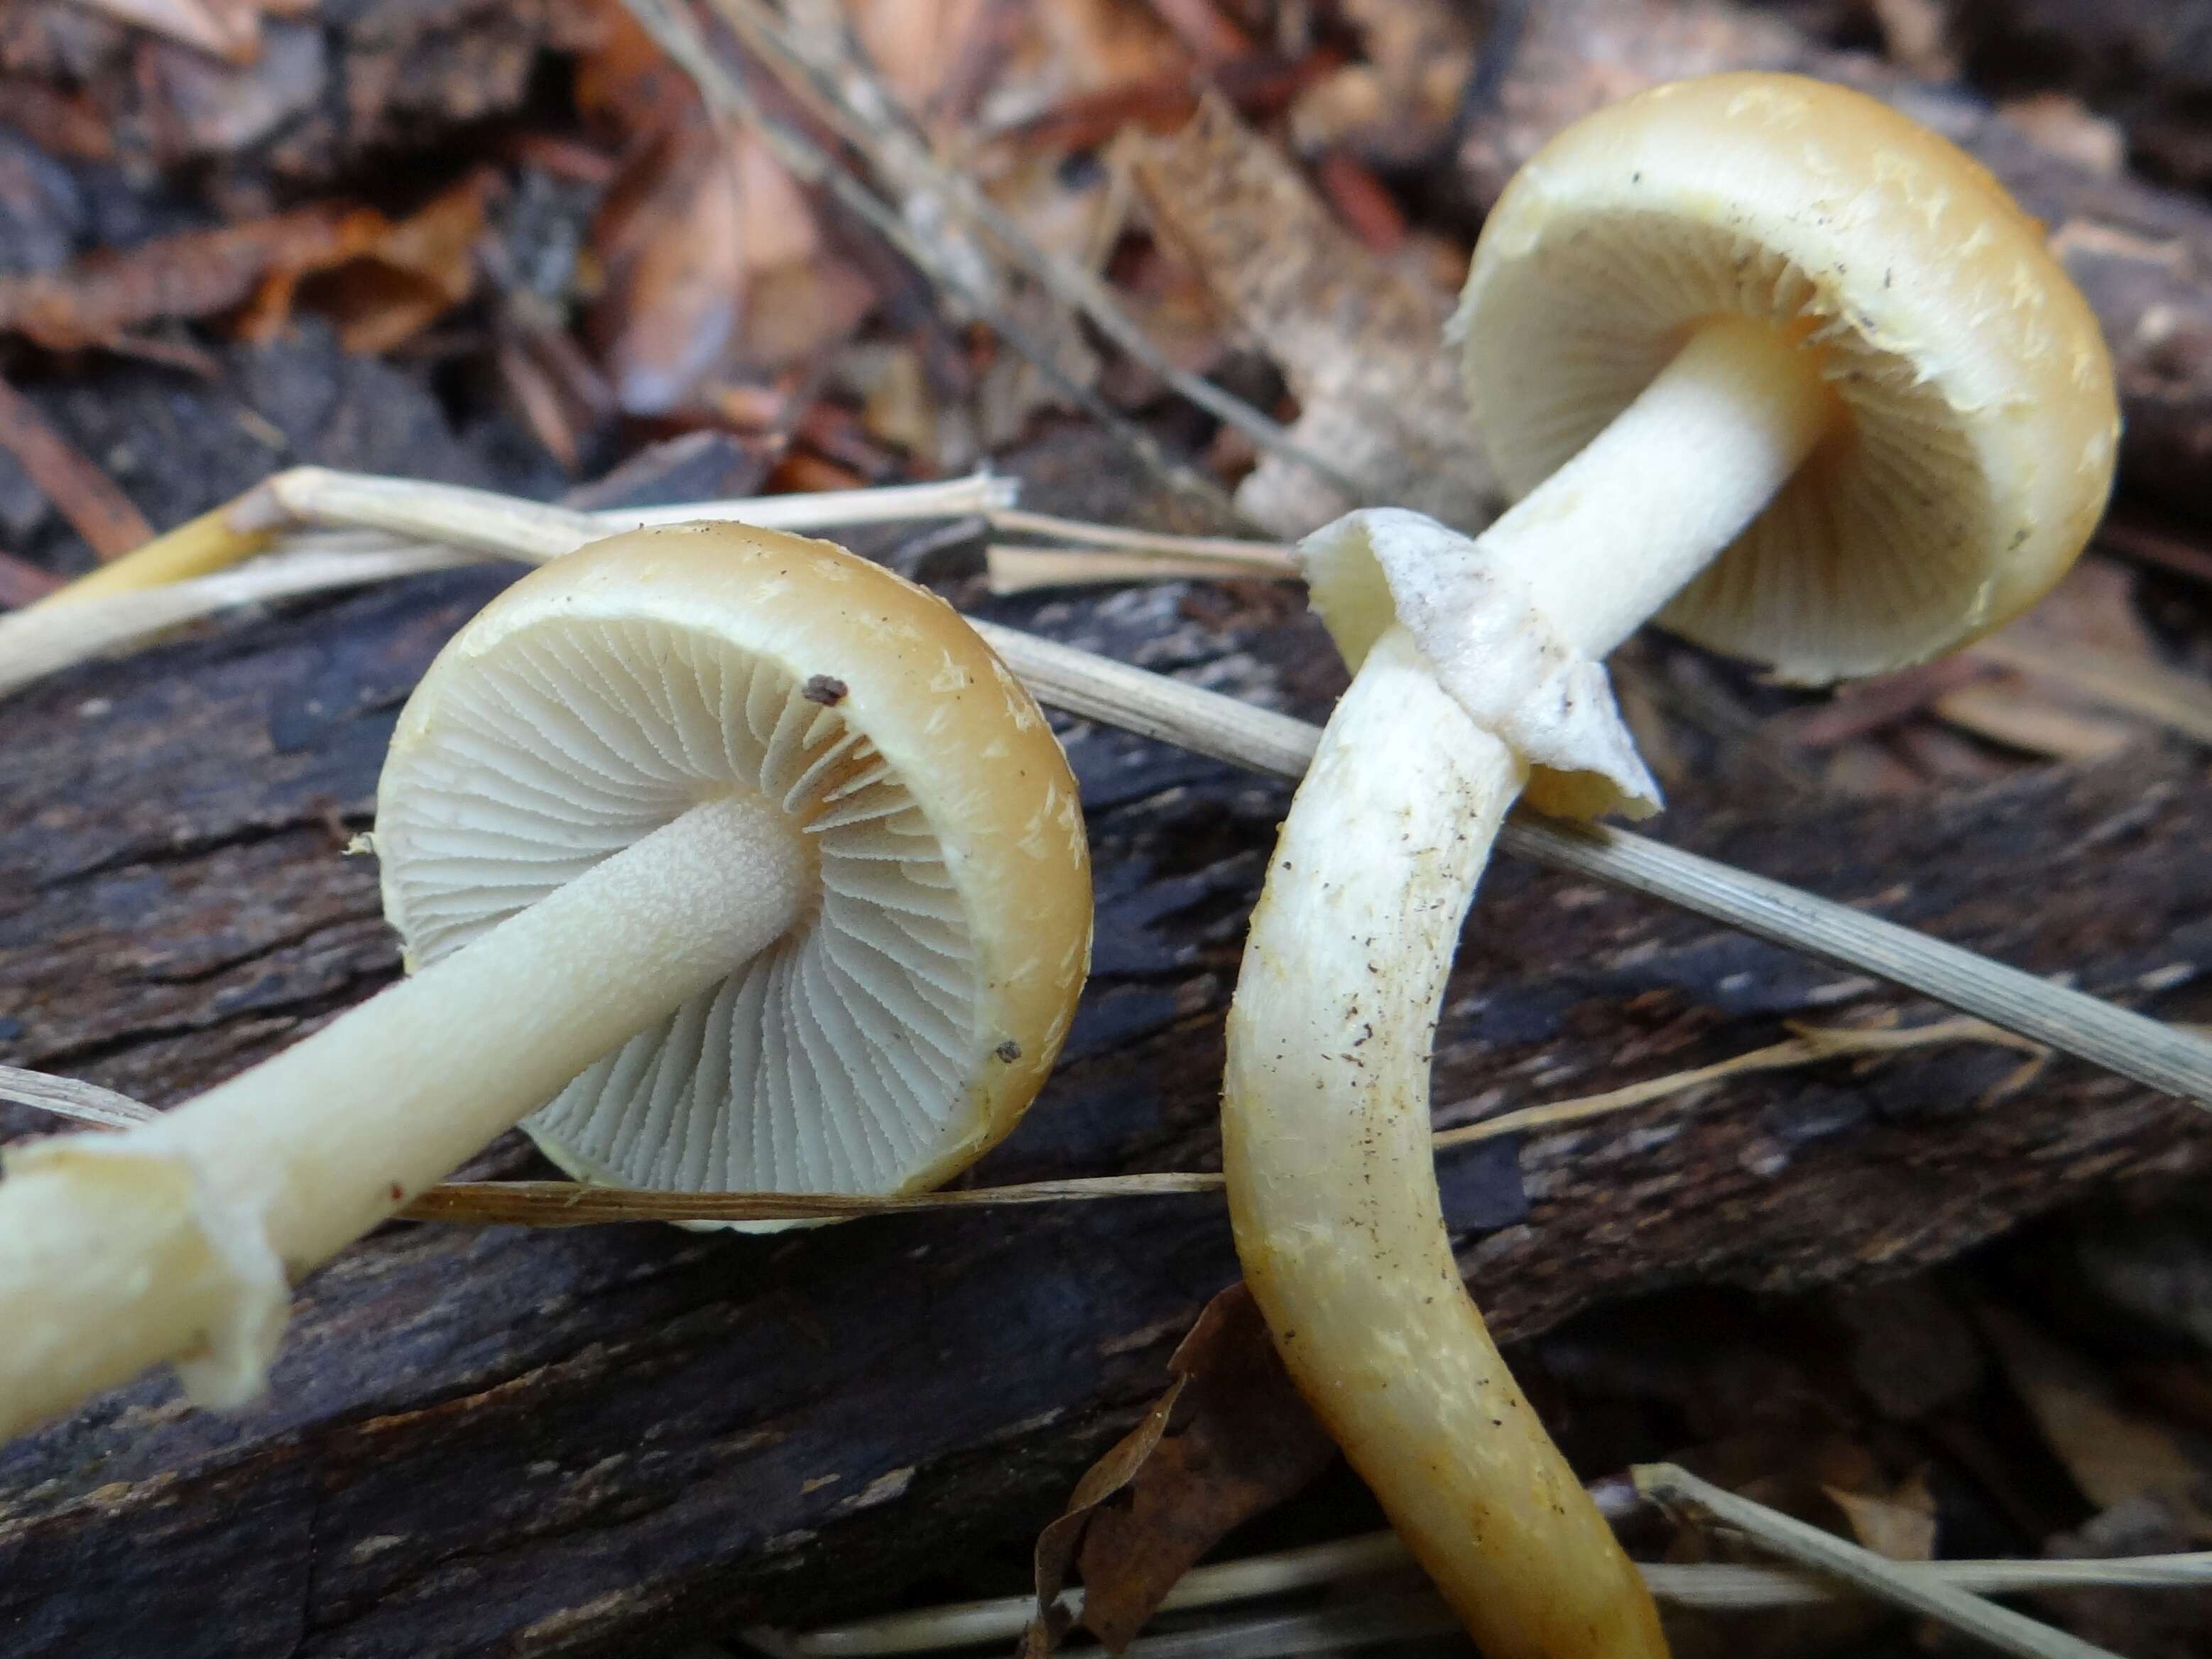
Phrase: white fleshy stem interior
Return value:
(1607, 540)
(170, 1241)
(1332, 1180)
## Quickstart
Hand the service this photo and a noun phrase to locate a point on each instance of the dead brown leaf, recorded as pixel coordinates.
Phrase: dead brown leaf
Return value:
(2115, 1455)
(671, 238)
(1057, 1544)
(918, 45)
(1398, 104)
(1899, 1523)
(411, 274)
(1242, 1441)
(383, 282)
(1358, 341)
(2066, 126)
(79, 491)
(101, 298)
(1247, 1442)
(1916, 34)
(625, 84)
(62, 124)
(2006, 712)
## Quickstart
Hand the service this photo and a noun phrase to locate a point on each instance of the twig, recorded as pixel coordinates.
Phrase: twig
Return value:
(240, 529)
(676, 34)
(567, 1203)
(44, 638)
(64, 1097)
(867, 117)
(1825, 1552)
(1135, 555)
(1008, 568)
(22, 582)
(1270, 556)
(1211, 724)
(79, 491)
(2063, 1019)
(2179, 702)
(1711, 1585)
(1810, 1045)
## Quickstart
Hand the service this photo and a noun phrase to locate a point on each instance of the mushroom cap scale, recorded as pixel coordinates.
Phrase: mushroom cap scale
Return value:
(896, 1030)
(1979, 423)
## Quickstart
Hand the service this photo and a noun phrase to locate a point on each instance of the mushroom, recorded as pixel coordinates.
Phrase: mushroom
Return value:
(746, 856)
(1749, 322)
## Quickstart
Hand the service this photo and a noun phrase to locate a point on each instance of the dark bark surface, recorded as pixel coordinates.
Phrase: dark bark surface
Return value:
(595, 1442)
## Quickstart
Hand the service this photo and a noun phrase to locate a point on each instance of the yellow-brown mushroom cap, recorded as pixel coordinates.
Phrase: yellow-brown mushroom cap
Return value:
(1977, 420)
(903, 1023)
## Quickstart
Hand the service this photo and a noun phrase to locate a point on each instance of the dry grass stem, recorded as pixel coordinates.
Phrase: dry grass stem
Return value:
(1209, 723)
(1716, 1586)
(64, 1097)
(569, 1204)
(1885, 1580)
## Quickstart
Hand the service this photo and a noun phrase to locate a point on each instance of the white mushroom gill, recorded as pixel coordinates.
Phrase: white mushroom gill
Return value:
(837, 1059)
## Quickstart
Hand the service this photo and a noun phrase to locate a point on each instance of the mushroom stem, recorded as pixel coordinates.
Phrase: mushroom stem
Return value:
(174, 1240)
(1332, 1179)
(1676, 476)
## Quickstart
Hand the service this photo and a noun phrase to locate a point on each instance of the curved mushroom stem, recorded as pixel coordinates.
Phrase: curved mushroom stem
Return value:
(1606, 540)
(1332, 1180)
(175, 1240)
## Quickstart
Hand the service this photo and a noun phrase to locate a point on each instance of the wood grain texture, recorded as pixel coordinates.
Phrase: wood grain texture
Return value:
(579, 1442)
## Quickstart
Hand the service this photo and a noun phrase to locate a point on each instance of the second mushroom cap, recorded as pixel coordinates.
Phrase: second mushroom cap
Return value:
(898, 1028)
(1976, 423)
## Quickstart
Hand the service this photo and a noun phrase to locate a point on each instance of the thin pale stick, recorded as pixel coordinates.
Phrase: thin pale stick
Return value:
(44, 639)
(562, 1203)
(2115, 1038)
(64, 1097)
(1703, 1585)
(86, 622)
(1212, 724)
(947, 498)
(2180, 702)
(1825, 1552)
(1271, 557)
(567, 1204)
(1011, 569)
(1810, 1046)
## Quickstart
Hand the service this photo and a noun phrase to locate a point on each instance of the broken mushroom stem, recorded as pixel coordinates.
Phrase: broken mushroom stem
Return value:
(177, 1239)
(1332, 1190)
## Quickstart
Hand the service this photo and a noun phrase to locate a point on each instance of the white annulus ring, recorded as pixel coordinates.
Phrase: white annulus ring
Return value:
(1769, 362)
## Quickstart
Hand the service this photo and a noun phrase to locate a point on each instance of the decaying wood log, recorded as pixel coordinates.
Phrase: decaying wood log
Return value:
(579, 1442)
(2141, 255)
